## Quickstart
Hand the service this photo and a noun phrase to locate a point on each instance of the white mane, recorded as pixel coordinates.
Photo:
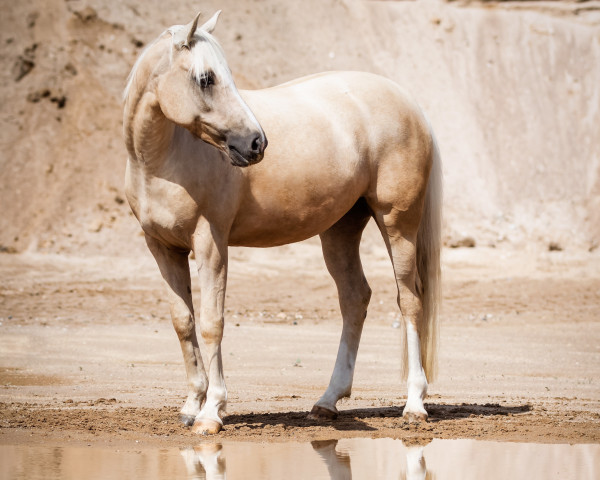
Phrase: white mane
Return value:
(137, 63)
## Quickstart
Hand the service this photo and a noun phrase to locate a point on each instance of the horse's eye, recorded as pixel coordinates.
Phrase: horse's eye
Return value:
(206, 79)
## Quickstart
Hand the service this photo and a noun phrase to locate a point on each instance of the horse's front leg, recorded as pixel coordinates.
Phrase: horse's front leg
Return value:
(211, 257)
(175, 269)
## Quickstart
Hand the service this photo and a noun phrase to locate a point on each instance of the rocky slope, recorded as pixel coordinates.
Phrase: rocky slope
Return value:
(511, 89)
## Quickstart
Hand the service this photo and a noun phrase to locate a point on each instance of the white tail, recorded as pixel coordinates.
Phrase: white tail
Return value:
(429, 244)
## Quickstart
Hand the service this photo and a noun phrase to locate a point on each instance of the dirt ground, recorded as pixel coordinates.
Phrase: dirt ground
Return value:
(89, 355)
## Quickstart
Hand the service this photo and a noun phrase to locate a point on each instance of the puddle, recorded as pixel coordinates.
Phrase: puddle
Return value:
(358, 458)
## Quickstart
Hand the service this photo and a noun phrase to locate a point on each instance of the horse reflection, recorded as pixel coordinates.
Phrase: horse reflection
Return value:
(416, 468)
(207, 461)
(338, 462)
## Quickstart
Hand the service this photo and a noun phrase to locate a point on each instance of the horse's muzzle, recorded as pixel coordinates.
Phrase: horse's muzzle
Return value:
(246, 153)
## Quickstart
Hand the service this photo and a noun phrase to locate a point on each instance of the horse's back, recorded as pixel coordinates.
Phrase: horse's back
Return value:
(334, 96)
(353, 116)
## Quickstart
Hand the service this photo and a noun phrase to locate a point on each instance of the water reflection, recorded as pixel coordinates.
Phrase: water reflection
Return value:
(387, 458)
(338, 462)
(207, 461)
(357, 458)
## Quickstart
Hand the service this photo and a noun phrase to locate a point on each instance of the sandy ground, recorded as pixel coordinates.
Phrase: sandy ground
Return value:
(88, 353)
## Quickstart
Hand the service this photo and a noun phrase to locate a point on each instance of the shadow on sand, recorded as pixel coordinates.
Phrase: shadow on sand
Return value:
(354, 419)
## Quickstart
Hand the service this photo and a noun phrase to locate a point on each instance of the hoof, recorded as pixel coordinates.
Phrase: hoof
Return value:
(415, 417)
(187, 420)
(208, 449)
(323, 444)
(320, 413)
(205, 426)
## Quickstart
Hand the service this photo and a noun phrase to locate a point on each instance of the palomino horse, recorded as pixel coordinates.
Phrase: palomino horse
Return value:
(343, 147)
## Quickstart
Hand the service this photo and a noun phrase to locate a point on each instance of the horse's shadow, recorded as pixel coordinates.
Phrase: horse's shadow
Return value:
(355, 419)
(252, 421)
(439, 412)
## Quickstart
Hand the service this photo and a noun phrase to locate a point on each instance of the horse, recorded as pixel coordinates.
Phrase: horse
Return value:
(343, 147)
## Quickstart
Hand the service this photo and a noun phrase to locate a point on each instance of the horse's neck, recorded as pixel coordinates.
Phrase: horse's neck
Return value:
(148, 133)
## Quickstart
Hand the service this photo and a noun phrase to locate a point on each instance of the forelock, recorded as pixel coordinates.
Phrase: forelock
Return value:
(207, 54)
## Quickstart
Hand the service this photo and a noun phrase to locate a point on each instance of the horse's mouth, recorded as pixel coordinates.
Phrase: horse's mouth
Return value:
(239, 160)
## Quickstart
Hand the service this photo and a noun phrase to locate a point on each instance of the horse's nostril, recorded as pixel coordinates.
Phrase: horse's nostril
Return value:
(259, 143)
(256, 145)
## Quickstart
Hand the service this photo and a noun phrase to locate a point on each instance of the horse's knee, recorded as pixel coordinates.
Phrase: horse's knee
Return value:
(212, 329)
(183, 322)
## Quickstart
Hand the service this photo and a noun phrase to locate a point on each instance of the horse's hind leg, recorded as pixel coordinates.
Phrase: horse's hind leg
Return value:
(341, 251)
(400, 234)
(175, 270)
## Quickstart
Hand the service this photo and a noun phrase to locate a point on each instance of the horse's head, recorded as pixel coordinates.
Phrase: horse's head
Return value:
(197, 92)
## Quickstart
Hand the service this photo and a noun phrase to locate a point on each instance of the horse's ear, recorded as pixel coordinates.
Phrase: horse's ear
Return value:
(192, 30)
(209, 26)
(185, 37)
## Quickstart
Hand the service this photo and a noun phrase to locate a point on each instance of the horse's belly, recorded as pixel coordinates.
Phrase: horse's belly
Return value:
(297, 218)
(280, 231)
